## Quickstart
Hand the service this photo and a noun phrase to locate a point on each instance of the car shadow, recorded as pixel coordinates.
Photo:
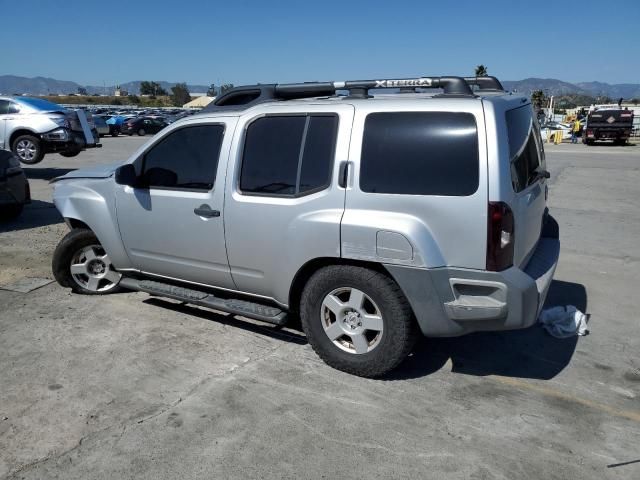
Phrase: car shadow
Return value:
(35, 214)
(39, 173)
(528, 353)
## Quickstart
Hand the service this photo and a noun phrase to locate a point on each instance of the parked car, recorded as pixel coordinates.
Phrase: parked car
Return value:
(101, 125)
(14, 186)
(373, 219)
(142, 125)
(33, 127)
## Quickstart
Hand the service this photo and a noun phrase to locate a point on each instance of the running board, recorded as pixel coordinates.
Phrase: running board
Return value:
(257, 311)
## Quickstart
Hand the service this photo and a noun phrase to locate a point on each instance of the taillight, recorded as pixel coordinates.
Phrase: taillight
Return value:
(500, 237)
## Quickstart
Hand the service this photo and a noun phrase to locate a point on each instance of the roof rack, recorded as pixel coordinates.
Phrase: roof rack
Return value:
(240, 98)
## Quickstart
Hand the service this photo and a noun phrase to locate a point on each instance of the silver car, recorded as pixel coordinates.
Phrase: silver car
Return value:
(372, 217)
(33, 127)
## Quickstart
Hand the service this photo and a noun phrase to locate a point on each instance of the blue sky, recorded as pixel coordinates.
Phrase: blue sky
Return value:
(96, 42)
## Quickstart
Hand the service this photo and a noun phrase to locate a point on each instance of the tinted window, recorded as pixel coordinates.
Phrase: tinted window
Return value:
(319, 149)
(186, 158)
(288, 155)
(420, 153)
(523, 150)
(4, 106)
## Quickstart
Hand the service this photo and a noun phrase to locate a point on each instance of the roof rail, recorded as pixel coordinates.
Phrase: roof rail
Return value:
(485, 83)
(240, 98)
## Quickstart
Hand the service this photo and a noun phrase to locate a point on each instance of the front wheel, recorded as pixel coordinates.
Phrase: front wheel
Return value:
(28, 149)
(141, 132)
(80, 263)
(357, 320)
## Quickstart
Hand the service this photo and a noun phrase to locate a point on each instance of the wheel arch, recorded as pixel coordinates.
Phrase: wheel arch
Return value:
(74, 223)
(21, 131)
(90, 204)
(308, 269)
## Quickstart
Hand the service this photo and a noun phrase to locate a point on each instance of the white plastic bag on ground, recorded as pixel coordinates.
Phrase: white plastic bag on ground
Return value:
(564, 322)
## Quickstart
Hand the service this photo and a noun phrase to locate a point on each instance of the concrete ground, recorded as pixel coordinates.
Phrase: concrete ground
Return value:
(127, 386)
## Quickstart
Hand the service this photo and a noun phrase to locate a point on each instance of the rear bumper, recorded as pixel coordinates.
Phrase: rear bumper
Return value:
(453, 301)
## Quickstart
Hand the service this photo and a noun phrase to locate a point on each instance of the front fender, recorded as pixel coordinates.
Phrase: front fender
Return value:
(92, 201)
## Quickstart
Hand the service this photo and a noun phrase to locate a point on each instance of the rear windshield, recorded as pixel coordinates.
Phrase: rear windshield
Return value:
(40, 104)
(523, 147)
(420, 153)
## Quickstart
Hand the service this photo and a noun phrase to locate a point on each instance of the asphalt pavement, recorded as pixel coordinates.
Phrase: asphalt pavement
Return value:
(130, 386)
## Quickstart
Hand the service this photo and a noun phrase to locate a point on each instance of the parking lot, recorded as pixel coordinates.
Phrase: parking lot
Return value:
(130, 386)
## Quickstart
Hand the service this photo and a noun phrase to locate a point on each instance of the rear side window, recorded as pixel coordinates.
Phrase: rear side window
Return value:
(288, 155)
(523, 150)
(420, 153)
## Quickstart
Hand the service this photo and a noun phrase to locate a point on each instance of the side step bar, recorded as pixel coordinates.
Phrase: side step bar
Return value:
(257, 311)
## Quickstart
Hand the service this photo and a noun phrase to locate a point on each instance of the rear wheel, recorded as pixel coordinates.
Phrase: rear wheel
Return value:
(28, 149)
(357, 320)
(80, 263)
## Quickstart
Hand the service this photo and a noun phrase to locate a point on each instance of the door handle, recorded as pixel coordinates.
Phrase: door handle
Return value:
(204, 210)
(343, 174)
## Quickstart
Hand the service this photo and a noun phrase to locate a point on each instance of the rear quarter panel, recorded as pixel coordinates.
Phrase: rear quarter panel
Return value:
(437, 230)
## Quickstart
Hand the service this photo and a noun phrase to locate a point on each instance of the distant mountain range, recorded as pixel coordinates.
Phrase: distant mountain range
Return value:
(551, 86)
(10, 84)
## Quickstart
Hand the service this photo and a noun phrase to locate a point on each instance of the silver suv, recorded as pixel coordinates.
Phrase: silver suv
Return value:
(370, 216)
(33, 127)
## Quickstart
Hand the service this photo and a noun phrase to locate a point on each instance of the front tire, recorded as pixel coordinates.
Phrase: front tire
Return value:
(141, 132)
(357, 320)
(80, 263)
(28, 149)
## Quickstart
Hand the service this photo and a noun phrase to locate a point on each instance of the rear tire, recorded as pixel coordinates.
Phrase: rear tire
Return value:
(80, 263)
(357, 320)
(28, 149)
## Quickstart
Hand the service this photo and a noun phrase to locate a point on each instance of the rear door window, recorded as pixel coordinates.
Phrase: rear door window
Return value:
(523, 148)
(288, 155)
(420, 153)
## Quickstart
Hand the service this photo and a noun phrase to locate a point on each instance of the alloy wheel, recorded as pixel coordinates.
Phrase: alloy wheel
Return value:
(92, 270)
(352, 320)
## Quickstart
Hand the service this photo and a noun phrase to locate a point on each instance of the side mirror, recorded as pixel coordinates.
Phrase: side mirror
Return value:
(126, 175)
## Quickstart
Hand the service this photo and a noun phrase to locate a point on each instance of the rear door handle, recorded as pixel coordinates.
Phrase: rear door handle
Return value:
(205, 210)
(343, 174)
